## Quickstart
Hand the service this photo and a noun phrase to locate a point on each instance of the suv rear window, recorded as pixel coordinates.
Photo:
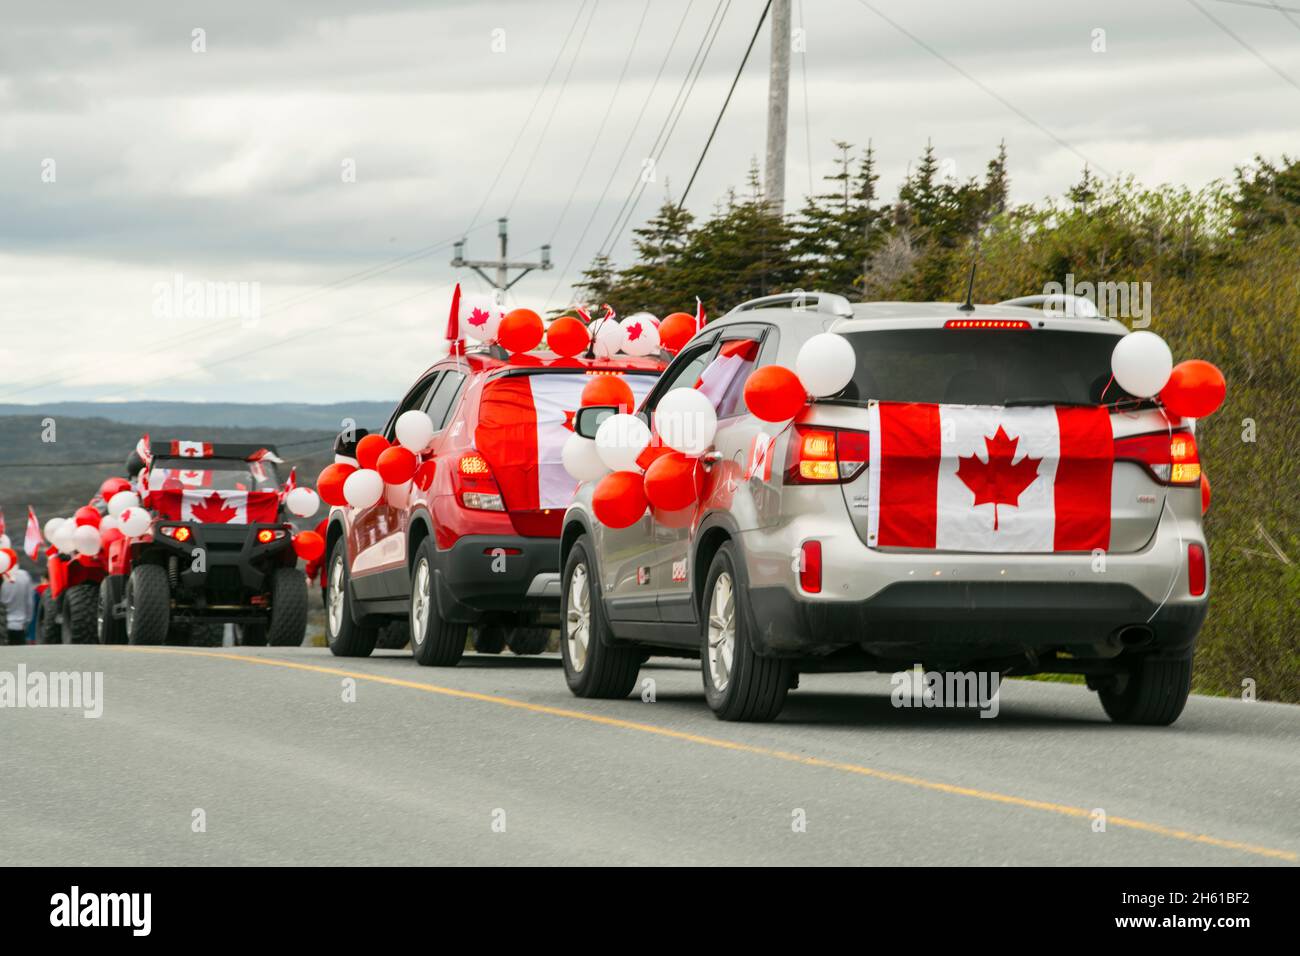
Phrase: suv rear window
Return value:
(982, 367)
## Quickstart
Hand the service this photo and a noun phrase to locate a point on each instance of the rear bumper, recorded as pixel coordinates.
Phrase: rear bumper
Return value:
(233, 559)
(485, 573)
(918, 621)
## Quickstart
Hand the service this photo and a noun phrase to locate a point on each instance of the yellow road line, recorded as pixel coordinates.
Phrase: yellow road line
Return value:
(857, 769)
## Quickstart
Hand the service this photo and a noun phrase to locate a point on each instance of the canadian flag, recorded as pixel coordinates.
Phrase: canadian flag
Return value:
(718, 376)
(986, 478)
(32, 540)
(759, 464)
(524, 421)
(217, 507)
(191, 449)
(190, 478)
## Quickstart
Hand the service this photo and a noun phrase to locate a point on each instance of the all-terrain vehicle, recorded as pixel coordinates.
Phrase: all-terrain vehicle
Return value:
(219, 550)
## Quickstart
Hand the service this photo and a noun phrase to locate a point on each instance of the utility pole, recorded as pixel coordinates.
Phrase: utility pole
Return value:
(778, 107)
(502, 265)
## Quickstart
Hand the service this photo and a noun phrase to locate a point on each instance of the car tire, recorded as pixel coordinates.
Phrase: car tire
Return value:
(594, 667)
(148, 605)
(49, 630)
(110, 629)
(738, 683)
(489, 639)
(81, 614)
(434, 641)
(345, 636)
(288, 608)
(1153, 692)
(526, 641)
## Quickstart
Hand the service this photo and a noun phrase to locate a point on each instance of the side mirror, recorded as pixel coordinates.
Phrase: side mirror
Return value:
(346, 442)
(590, 417)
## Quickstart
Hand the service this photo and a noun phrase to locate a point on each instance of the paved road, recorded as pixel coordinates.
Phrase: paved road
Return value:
(425, 766)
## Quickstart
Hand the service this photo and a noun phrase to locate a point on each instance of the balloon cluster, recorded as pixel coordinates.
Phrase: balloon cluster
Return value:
(381, 468)
(1144, 367)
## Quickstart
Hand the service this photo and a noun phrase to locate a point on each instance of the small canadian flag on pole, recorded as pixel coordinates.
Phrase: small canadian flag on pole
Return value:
(699, 315)
(32, 540)
(457, 344)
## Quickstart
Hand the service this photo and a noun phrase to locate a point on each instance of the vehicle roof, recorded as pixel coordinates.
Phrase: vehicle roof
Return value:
(161, 448)
(484, 361)
(873, 316)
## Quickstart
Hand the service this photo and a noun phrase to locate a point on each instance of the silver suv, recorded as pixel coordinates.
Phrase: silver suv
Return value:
(828, 544)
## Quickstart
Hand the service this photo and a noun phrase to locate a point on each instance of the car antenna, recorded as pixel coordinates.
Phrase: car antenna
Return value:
(969, 305)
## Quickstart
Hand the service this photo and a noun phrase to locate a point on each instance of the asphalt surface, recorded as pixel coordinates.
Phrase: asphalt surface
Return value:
(494, 762)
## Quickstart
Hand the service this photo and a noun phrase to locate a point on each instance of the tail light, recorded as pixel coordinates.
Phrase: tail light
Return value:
(181, 533)
(1195, 570)
(474, 485)
(825, 455)
(267, 535)
(1170, 457)
(810, 567)
(987, 324)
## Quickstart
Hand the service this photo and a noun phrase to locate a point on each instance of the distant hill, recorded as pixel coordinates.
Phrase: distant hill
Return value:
(299, 415)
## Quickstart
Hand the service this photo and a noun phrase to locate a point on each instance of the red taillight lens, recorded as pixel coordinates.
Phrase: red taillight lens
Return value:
(265, 536)
(825, 455)
(474, 484)
(987, 324)
(1171, 457)
(810, 566)
(1195, 570)
(177, 533)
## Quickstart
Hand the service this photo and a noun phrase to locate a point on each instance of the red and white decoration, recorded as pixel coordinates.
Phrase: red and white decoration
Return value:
(982, 478)
(32, 540)
(215, 507)
(191, 449)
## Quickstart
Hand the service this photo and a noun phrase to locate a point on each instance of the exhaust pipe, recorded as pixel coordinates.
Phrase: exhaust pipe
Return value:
(1135, 635)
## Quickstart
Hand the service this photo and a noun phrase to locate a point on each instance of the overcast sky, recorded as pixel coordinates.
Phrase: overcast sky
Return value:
(129, 159)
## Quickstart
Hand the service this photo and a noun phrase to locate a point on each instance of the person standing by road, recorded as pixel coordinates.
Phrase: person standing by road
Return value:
(17, 593)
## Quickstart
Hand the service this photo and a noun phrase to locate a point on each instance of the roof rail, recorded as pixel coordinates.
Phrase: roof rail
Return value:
(827, 302)
(1059, 303)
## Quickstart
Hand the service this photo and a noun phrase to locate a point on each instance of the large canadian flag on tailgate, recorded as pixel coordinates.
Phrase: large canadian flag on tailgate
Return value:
(524, 421)
(982, 478)
(217, 507)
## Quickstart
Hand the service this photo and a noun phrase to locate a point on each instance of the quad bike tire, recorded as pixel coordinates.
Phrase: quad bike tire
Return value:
(81, 614)
(111, 629)
(288, 624)
(148, 605)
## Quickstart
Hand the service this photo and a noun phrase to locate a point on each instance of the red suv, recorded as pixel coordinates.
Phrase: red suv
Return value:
(474, 540)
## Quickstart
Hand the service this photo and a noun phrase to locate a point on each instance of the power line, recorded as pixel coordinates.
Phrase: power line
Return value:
(675, 113)
(1244, 45)
(995, 95)
(528, 118)
(627, 143)
(736, 79)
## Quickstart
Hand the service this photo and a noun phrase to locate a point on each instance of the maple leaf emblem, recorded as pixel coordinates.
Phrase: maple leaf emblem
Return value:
(568, 419)
(998, 481)
(634, 331)
(478, 317)
(213, 510)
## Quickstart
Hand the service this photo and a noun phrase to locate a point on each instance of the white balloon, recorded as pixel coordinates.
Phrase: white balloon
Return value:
(108, 523)
(52, 528)
(1141, 363)
(686, 421)
(363, 488)
(6, 563)
(582, 459)
(414, 429)
(4, 540)
(640, 334)
(608, 337)
(620, 439)
(121, 501)
(303, 502)
(135, 521)
(398, 496)
(825, 364)
(480, 316)
(86, 539)
(65, 538)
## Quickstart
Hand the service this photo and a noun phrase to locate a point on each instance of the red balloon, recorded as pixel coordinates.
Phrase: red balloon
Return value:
(567, 336)
(396, 465)
(88, 515)
(329, 483)
(112, 486)
(1205, 493)
(108, 537)
(525, 359)
(520, 330)
(309, 545)
(369, 449)
(424, 475)
(619, 499)
(1195, 389)
(775, 394)
(673, 481)
(652, 451)
(609, 390)
(676, 330)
